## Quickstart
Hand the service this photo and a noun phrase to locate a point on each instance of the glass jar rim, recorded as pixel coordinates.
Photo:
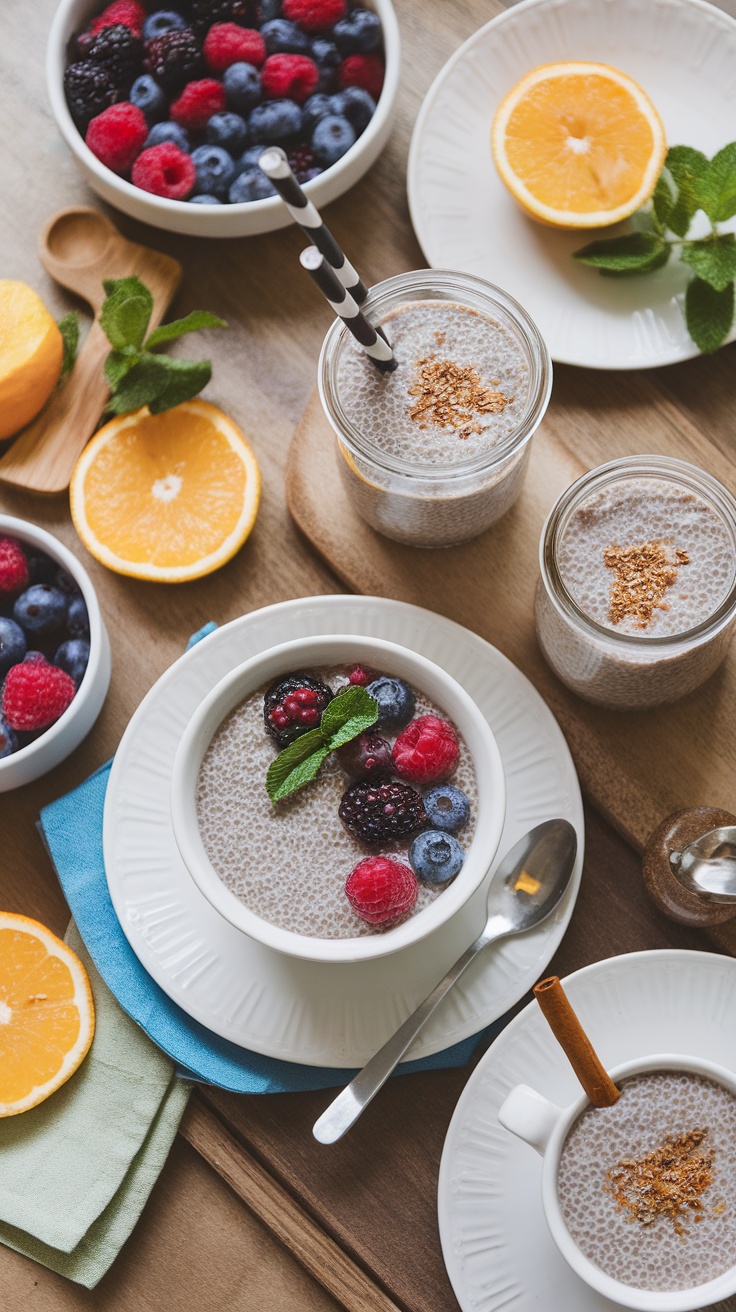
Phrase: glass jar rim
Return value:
(408, 286)
(686, 475)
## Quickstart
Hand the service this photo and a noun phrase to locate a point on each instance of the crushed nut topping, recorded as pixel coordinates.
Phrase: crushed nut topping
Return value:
(454, 395)
(643, 575)
(668, 1182)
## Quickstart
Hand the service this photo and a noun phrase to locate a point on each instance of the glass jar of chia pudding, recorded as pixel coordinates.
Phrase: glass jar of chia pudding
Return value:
(436, 451)
(636, 601)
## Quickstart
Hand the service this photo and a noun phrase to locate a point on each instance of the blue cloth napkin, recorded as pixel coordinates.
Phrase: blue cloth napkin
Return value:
(72, 830)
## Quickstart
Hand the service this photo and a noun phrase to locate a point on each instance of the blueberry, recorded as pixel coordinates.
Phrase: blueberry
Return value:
(268, 9)
(65, 583)
(356, 106)
(395, 702)
(317, 107)
(331, 139)
(204, 199)
(163, 20)
(242, 83)
(251, 184)
(276, 120)
(250, 157)
(229, 131)
(447, 808)
(215, 170)
(72, 657)
(358, 33)
(40, 609)
(77, 619)
(327, 58)
(168, 131)
(284, 38)
(12, 645)
(148, 96)
(8, 740)
(435, 857)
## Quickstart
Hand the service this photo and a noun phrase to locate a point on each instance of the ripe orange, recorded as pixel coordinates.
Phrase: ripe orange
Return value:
(166, 497)
(31, 350)
(47, 1017)
(579, 145)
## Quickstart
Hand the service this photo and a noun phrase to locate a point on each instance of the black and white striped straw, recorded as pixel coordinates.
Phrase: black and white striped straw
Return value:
(275, 165)
(373, 343)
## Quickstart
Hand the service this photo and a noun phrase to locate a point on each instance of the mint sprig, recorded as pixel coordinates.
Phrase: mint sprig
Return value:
(136, 376)
(69, 329)
(688, 184)
(346, 716)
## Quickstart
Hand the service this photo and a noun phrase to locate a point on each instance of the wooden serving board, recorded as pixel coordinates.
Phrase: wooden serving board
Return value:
(636, 767)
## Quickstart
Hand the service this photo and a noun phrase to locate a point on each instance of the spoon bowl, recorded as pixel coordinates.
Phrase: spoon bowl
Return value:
(707, 867)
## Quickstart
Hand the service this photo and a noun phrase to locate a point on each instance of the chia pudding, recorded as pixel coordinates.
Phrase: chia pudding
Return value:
(637, 597)
(647, 1187)
(289, 862)
(434, 452)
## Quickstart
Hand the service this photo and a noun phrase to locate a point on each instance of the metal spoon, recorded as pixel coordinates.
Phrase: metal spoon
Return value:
(525, 889)
(708, 866)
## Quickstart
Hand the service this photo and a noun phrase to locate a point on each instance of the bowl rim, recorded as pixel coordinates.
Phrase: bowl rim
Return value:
(61, 29)
(26, 531)
(246, 678)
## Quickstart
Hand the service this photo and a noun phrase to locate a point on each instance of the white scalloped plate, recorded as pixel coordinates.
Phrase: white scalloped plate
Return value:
(683, 53)
(499, 1254)
(309, 1012)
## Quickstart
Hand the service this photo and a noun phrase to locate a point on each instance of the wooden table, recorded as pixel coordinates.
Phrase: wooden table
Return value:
(359, 1217)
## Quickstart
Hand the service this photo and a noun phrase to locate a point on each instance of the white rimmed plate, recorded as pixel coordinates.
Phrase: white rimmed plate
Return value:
(683, 53)
(327, 1015)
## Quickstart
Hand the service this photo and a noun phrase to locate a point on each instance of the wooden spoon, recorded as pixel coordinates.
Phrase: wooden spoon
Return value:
(79, 247)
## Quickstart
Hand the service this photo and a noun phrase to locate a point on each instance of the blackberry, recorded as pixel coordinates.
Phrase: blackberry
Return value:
(88, 89)
(174, 58)
(203, 13)
(119, 52)
(381, 812)
(301, 162)
(294, 705)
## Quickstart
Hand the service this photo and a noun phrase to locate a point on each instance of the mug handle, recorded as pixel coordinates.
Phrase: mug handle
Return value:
(529, 1116)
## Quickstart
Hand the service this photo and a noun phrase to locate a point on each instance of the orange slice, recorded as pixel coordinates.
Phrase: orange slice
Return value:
(31, 350)
(578, 145)
(47, 1017)
(166, 497)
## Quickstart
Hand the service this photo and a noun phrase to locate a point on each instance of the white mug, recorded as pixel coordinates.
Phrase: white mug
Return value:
(545, 1126)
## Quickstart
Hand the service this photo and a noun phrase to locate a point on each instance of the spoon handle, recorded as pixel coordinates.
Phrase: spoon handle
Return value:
(345, 1109)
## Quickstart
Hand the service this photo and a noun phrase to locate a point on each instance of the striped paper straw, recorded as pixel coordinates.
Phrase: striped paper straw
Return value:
(276, 167)
(373, 343)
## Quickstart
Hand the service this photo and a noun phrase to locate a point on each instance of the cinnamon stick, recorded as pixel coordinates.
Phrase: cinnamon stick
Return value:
(575, 1043)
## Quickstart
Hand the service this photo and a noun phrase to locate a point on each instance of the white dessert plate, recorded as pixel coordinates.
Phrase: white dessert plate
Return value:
(311, 1012)
(498, 1251)
(683, 53)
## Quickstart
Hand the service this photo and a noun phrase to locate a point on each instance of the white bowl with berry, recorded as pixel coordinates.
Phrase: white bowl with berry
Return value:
(54, 652)
(338, 798)
(166, 106)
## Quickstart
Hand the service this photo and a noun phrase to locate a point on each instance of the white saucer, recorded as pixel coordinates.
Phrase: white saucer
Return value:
(498, 1251)
(682, 52)
(317, 1014)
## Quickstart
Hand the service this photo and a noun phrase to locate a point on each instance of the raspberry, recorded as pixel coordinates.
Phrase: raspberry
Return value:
(14, 575)
(227, 44)
(89, 90)
(119, 51)
(378, 813)
(294, 705)
(174, 57)
(314, 15)
(364, 71)
(197, 103)
(358, 674)
(35, 694)
(366, 757)
(426, 751)
(165, 170)
(302, 163)
(116, 135)
(380, 889)
(127, 12)
(292, 76)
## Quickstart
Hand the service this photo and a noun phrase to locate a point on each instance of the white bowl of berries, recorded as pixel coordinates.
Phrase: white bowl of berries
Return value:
(338, 798)
(167, 104)
(54, 653)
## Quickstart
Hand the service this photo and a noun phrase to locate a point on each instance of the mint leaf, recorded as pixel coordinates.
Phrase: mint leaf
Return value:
(663, 200)
(713, 259)
(183, 379)
(296, 765)
(117, 365)
(722, 185)
(347, 715)
(708, 314)
(656, 262)
(633, 253)
(126, 311)
(69, 329)
(168, 332)
(141, 385)
(689, 169)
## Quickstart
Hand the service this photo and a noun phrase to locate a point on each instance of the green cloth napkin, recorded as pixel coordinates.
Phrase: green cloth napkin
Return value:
(76, 1171)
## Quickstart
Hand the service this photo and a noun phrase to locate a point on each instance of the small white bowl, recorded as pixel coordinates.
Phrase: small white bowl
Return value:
(245, 220)
(308, 653)
(60, 739)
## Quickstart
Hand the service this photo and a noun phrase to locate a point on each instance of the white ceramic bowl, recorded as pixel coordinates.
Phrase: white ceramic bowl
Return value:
(216, 220)
(60, 739)
(308, 653)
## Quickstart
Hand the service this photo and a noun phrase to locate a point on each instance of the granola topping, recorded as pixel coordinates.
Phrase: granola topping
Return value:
(453, 395)
(643, 574)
